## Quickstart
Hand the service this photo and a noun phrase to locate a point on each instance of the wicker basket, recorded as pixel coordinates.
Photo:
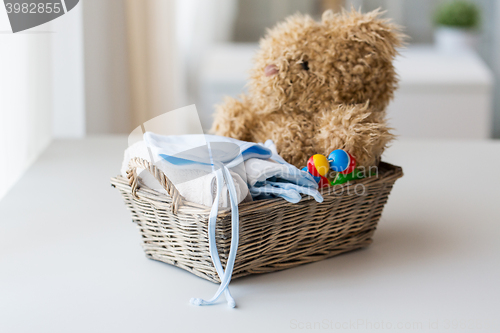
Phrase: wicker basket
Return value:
(274, 234)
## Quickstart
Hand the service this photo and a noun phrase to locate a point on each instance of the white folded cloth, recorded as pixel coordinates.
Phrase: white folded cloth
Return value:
(194, 185)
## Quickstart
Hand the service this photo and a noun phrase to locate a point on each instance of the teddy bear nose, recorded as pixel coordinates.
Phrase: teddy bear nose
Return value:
(271, 70)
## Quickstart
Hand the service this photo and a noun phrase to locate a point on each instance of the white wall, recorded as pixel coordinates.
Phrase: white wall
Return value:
(25, 99)
(41, 90)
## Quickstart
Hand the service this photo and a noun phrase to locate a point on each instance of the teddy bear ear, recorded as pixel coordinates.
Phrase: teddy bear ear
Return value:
(369, 28)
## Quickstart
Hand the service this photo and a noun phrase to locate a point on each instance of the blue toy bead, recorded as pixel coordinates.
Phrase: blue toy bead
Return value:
(339, 160)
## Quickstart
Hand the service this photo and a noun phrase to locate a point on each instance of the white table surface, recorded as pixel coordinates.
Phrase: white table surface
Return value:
(70, 259)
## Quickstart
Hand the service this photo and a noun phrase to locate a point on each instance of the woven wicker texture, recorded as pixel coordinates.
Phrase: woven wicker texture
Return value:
(274, 234)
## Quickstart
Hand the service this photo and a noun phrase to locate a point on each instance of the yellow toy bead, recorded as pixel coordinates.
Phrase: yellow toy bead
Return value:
(320, 164)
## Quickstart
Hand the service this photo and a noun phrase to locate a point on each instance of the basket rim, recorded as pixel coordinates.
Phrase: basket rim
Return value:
(387, 173)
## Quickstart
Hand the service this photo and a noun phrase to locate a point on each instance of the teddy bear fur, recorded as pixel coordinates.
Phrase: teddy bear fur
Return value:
(319, 86)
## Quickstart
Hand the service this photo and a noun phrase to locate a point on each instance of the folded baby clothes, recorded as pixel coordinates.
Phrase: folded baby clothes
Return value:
(197, 186)
(267, 179)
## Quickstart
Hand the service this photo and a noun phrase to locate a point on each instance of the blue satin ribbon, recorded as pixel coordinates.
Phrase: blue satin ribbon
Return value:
(222, 174)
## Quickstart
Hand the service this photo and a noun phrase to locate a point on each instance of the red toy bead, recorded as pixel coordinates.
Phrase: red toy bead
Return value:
(323, 182)
(311, 167)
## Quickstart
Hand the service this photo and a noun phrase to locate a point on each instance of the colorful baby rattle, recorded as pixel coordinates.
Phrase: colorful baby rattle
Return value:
(339, 161)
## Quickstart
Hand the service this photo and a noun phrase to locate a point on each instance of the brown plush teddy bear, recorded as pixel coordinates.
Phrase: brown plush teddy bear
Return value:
(319, 86)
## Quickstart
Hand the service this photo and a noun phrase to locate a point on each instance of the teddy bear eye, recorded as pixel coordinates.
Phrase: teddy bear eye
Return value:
(305, 65)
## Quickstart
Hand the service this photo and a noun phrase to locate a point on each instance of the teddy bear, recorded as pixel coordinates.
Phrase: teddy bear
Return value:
(319, 86)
